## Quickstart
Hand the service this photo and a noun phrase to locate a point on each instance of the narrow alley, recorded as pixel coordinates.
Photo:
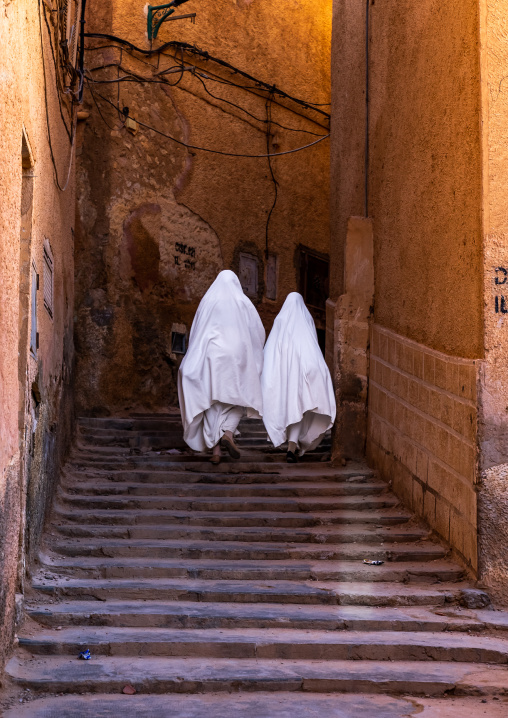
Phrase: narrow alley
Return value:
(290, 215)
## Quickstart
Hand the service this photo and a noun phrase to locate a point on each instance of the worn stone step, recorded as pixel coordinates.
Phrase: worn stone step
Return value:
(306, 504)
(192, 614)
(185, 476)
(269, 644)
(405, 572)
(320, 592)
(225, 705)
(231, 491)
(162, 441)
(237, 550)
(252, 460)
(132, 517)
(192, 675)
(321, 534)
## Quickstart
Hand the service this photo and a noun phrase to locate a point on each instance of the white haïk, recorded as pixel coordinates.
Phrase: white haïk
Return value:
(224, 360)
(296, 383)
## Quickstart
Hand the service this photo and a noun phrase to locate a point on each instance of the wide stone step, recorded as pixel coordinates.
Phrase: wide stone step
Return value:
(133, 517)
(269, 644)
(321, 534)
(404, 572)
(302, 476)
(161, 441)
(193, 675)
(192, 614)
(199, 490)
(320, 592)
(252, 460)
(195, 503)
(237, 550)
(224, 705)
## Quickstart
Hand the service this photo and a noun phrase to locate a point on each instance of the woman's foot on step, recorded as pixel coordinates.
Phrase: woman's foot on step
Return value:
(291, 457)
(228, 443)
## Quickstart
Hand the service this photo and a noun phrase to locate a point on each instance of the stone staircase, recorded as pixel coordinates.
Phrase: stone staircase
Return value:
(241, 590)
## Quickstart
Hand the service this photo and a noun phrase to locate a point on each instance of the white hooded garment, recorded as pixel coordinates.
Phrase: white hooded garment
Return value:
(223, 363)
(296, 383)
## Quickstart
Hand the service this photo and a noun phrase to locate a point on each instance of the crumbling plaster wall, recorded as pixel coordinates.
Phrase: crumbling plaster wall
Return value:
(142, 195)
(33, 434)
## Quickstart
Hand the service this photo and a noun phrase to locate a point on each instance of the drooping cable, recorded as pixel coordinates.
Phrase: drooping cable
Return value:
(208, 149)
(73, 130)
(194, 50)
(275, 183)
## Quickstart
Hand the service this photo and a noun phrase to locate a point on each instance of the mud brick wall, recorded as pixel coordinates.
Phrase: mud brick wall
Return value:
(422, 431)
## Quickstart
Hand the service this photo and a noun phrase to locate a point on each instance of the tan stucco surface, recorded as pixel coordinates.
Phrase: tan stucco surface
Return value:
(418, 177)
(28, 457)
(425, 170)
(424, 164)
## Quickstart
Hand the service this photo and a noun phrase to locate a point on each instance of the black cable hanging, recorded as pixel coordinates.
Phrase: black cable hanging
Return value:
(275, 183)
(209, 149)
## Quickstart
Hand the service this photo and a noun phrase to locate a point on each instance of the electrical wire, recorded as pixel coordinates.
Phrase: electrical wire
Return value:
(194, 50)
(67, 130)
(255, 90)
(133, 77)
(113, 129)
(258, 119)
(275, 183)
(73, 135)
(208, 149)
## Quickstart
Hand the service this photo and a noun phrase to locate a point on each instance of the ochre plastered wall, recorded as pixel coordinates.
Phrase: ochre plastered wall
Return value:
(425, 172)
(420, 184)
(141, 195)
(422, 434)
(33, 432)
(493, 386)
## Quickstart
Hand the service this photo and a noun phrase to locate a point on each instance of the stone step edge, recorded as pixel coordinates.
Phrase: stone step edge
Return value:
(259, 642)
(197, 675)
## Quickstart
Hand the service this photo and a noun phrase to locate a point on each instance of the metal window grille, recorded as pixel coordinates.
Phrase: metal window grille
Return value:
(48, 281)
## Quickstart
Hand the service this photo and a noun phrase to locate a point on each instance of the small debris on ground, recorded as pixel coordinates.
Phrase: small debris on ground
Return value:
(372, 563)
(129, 690)
(85, 655)
(473, 598)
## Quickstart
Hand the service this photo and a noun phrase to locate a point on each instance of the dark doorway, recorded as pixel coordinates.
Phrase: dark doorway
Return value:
(313, 286)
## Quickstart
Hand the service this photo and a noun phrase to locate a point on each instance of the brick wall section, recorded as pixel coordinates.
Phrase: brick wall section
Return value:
(422, 434)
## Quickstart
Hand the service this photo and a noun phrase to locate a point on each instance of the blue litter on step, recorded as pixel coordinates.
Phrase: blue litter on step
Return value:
(373, 563)
(85, 655)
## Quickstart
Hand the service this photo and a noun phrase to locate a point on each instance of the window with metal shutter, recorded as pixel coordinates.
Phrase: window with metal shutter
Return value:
(33, 312)
(48, 280)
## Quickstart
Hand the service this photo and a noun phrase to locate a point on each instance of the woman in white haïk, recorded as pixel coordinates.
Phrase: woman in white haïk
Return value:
(220, 376)
(298, 397)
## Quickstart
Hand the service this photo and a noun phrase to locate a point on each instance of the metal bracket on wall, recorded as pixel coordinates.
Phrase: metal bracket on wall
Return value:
(157, 14)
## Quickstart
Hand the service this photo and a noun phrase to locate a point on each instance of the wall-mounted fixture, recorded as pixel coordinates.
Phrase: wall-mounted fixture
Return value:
(157, 14)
